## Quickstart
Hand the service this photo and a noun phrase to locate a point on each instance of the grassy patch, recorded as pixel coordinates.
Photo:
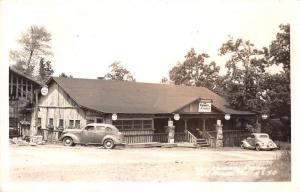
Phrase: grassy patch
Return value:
(283, 145)
(280, 168)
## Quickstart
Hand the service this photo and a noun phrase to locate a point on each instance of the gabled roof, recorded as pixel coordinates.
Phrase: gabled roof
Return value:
(137, 98)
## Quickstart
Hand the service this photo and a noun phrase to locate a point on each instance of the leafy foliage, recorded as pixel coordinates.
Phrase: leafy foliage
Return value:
(280, 48)
(245, 68)
(277, 94)
(119, 73)
(65, 75)
(195, 71)
(45, 70)
(34, 45)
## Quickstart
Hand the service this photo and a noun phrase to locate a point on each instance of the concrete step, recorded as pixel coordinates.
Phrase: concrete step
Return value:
(200, 140)
(185, 144)
(203, 145)
(169, 145)
(143, 145)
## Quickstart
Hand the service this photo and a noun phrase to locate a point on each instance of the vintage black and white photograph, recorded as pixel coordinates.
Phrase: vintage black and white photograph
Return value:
(138, 91)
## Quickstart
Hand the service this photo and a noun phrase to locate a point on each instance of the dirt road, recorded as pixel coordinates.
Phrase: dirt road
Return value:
(59, 163)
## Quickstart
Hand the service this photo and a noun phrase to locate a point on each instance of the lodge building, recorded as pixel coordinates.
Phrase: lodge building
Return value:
(140, 110)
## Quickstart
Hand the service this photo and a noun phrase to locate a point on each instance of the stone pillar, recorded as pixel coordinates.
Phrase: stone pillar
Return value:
(219, 137)
(170, 129)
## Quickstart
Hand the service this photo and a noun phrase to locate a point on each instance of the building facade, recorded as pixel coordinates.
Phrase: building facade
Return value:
(141, 111)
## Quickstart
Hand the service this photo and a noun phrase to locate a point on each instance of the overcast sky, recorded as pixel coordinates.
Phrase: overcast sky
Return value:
(148, 37)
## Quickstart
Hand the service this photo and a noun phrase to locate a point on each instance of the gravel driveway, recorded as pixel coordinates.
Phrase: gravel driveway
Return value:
(94, 164)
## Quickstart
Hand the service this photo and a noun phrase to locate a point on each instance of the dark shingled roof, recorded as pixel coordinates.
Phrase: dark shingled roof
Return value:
(137, 98)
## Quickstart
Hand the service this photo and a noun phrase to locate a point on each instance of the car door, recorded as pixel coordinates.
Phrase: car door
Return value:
(88, 134)
(100, 133)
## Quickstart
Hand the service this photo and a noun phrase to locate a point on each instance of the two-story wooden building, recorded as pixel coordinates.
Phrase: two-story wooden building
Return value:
(140, 110)
(23, 95)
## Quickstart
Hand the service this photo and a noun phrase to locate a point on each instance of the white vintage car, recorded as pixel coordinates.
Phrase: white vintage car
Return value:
(259, 141)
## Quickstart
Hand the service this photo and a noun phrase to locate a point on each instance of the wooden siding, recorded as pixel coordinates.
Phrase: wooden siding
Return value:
(58, 105)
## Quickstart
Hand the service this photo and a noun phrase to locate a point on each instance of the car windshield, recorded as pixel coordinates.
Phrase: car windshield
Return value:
(263, 136)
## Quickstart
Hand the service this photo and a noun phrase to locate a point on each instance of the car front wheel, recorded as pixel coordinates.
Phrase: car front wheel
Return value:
(68, 141)
(108, 144)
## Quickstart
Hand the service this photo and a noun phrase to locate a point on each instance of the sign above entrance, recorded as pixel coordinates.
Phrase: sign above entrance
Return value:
(205, 106)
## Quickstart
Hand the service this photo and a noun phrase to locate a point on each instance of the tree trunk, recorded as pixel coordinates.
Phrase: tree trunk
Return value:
(29, 59)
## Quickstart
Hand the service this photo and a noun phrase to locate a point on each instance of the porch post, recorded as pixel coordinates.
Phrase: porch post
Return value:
(185, 125)
(203, 125)
(33, 128)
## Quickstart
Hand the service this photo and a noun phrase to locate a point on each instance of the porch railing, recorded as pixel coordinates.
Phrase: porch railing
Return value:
(160, 137)
(234, 137)
(230, 137)
(211, 140)
(145, 138)
(180, 137)
(191, 138)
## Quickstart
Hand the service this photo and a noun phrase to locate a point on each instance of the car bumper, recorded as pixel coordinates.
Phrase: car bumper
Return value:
(268, 148)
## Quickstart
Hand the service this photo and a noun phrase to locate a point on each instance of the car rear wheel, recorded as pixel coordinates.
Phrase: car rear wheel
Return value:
(257, 148)
(243, 146)
(68, 141)
(108, 144)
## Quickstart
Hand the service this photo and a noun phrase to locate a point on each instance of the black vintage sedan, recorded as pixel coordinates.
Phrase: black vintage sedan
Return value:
(95, 134)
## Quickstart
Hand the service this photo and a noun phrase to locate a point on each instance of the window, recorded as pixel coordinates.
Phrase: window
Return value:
(90, 128)
(100, 128)
(133, 124)
(127, 124)
(138, 124)
(88, 121)
(99, 120)
(51, 122)
(147, 124)
(118, 124)
(108, 129)
(61, 123)
(71, 124)
(39, 121)
(77, 123)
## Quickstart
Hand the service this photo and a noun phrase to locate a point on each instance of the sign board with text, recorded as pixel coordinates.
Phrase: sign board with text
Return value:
(205, 106)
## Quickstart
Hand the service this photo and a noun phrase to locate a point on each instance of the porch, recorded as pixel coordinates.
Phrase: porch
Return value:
(190, 129)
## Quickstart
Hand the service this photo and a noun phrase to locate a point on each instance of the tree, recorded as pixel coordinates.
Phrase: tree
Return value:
(35, 45)
(277, 94)
(280, 49)
(165, 80)
(277, 86)
(245, 69)
(45, 70)
(195, 71)
(65, 75)
(119, 73)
